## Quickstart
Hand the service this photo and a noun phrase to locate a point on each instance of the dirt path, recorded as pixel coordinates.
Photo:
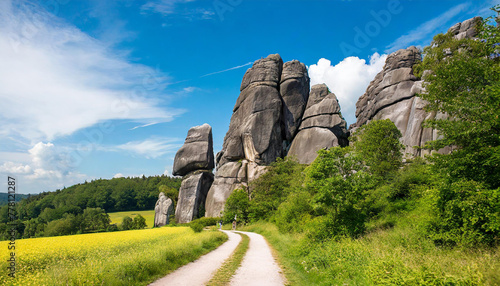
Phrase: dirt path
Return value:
(258, 266)
(200, 271)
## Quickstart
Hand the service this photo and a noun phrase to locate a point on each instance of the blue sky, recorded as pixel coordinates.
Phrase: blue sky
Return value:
(101, 89)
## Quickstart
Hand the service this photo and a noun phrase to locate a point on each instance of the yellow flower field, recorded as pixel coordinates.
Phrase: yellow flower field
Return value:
(133, 257)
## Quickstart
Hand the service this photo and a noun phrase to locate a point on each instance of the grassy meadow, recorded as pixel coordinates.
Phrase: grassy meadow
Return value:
(117, 217)
(391, 256)
(134, 257)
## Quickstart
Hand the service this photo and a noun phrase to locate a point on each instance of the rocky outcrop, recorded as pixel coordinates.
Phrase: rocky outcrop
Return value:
(391, 95)
(196, 153)
(322, 126)
(466, 29)
(164, 207)
(294, 89)
(269, 118)
(195, 161)
(255, 137)
(192, 196)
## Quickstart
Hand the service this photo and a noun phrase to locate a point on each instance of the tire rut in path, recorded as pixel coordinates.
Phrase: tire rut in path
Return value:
(200, 271)
(258, 267)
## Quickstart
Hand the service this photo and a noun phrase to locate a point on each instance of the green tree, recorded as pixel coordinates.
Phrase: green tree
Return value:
(139, 222)
(127, 223)
(336, 181)
(237, 205)
(378, 144)
(464, 83)
(95, 219)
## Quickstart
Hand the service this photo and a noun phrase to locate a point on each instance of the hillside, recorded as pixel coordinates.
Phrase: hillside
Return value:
(55, 209)
(4, 198)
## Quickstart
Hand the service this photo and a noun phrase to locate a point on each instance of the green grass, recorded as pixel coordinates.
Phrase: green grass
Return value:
(117, 217)
(385, 256)
(227, 270)
(134, 257)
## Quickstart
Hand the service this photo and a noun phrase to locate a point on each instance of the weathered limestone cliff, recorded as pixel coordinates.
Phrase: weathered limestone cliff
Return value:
(322, 126)
(195, 161)
(268, 119)
(391, 95)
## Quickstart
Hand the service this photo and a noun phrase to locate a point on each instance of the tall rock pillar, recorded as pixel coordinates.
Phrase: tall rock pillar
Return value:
(194, 161)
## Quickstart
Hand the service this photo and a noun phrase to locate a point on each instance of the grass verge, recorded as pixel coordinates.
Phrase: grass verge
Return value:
(395, 256)
(117, 217)
(134, 257)
(227, 270)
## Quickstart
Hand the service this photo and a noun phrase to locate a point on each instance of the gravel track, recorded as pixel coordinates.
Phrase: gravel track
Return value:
(258, 267)
(200, 271)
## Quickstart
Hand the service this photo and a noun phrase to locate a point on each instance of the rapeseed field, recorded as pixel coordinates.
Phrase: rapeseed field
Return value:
(133, 257)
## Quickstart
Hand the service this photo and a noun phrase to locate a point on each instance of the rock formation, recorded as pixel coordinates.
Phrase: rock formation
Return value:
(164, 207)
(269, 116)
(192, 195)
(195, 161)
(196, 153)
(391, 95)
(322, 126)
(466, 29)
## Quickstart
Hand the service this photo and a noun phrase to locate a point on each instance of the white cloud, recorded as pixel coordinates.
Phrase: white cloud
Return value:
(150, 148)
(427, 30)
(49, 168)
(56, 80)
(118, 175)
(14, 168)
(348, 79)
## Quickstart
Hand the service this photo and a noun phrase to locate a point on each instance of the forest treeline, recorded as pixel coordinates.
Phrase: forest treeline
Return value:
(84, 207)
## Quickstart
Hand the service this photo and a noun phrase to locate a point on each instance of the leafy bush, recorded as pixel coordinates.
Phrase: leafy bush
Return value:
(271, 188)
(466, 214)
(197, 227)
(236, 205)
(378, 144)
(139, 222)
(206, 221)
(294, 213)
(127, 223)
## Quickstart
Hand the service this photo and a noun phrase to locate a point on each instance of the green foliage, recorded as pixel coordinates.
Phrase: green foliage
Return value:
(70, 224)
(88, 203)
(336, 181)
(139, 222)
(466, 214)
(127, 223)
(198, 224)
(378, 145)
(466, 86)
(196, 227)
(294, 213)
(271, 189)
(237, 205)
(95, 219)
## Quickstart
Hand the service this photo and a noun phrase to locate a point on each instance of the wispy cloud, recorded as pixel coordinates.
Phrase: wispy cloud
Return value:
(165, 7)
(229, 69)
(64, 80)
(424, 33)
(150, 148)
(173, 7)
